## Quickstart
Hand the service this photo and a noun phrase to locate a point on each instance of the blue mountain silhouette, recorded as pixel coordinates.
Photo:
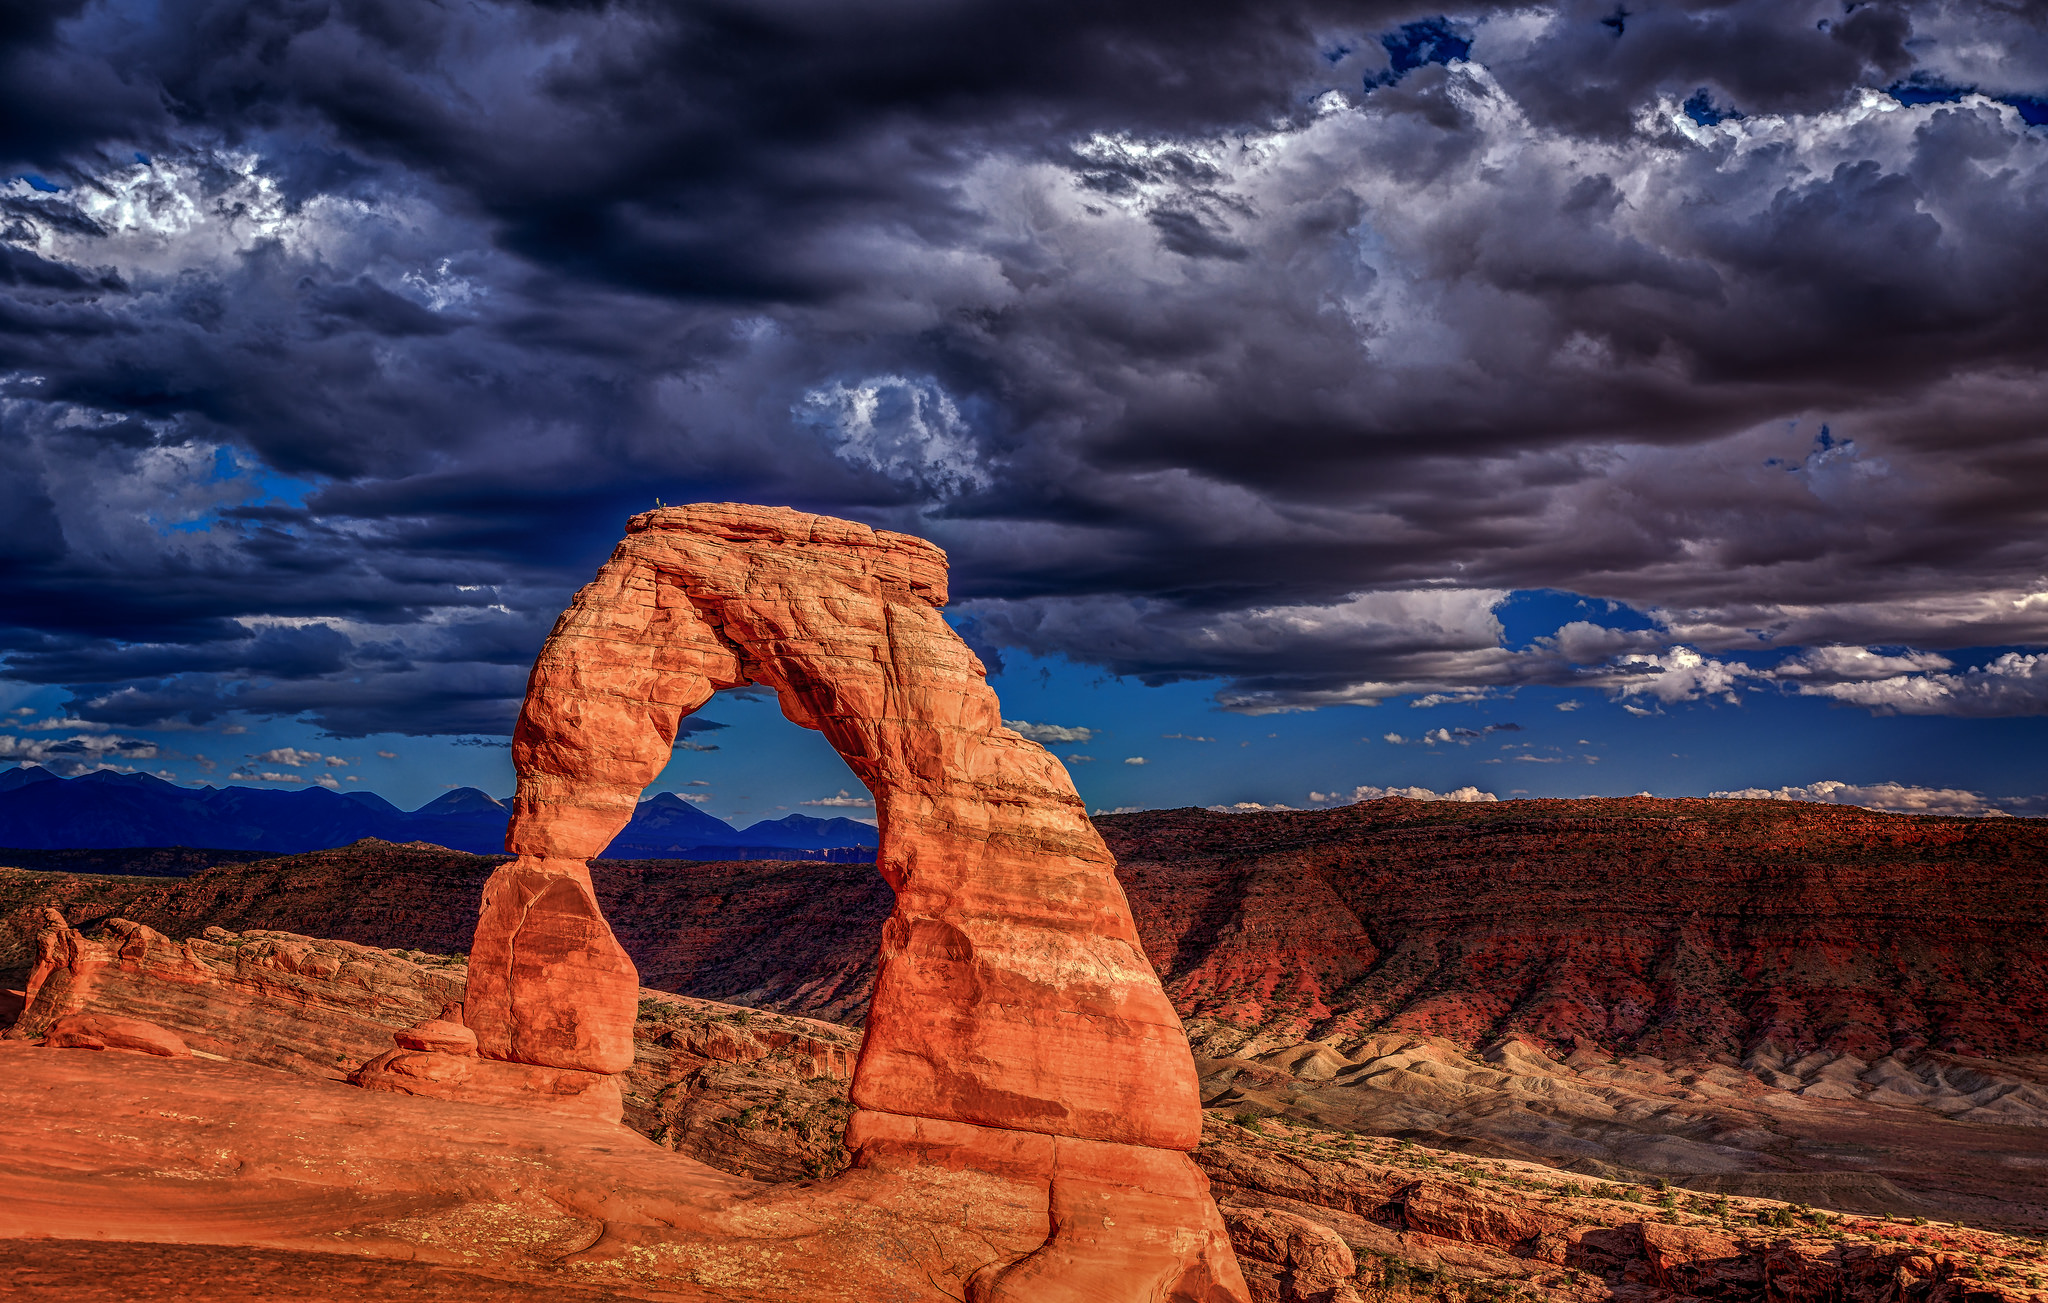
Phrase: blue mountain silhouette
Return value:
(103, 810)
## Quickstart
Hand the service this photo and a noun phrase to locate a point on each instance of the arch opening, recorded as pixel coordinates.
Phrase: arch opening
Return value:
(753, 782)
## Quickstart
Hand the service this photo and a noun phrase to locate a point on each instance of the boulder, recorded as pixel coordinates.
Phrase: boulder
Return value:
(437, 1036)
(95, 1031)
(1290, 1259)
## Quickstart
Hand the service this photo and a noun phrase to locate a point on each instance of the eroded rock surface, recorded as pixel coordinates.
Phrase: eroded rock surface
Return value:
(90, 1031)
(1416, 1222)
(1017, 1033)
(286, 1001)
(750, 1093)
(232, 1169)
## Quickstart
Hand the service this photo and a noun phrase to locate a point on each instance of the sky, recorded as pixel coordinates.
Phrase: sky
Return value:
(1315, 400)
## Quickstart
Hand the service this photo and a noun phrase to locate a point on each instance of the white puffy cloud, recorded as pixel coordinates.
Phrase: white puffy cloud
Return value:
(296, 758)
(1896, 797)
(1250, 807)
(1836, 663)
(1136, 760)
(265, 777)
(1428, 699)
(1369, 793)
(1679, 674)
(2015, 683)
(77, 754)
(1049, 733)
(909, 430)
(53, 725)
(843, 801)
(1582, 642)
(1451, 736)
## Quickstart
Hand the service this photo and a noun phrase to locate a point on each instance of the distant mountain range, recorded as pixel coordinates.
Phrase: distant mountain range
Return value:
(40, 811)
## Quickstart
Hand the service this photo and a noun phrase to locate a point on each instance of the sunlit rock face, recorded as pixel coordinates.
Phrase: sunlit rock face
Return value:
(1017, 1029)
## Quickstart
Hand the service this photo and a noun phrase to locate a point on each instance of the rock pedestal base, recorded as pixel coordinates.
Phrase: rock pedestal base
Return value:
(438, 1059)
(1120, 1222)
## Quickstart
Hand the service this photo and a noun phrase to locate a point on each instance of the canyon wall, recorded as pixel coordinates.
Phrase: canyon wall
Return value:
(1681, 929)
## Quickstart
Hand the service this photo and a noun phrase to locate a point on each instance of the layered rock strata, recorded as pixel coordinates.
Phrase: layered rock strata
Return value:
(1016, 1032)
(296, 1003)
(1680, 929)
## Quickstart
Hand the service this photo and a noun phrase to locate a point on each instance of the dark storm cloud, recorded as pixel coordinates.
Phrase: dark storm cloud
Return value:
(1269, 343)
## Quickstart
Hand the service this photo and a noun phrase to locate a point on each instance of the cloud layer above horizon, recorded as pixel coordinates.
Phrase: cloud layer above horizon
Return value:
(1284, 346)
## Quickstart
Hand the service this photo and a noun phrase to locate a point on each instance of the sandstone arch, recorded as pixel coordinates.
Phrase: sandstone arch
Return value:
(1017, 1029)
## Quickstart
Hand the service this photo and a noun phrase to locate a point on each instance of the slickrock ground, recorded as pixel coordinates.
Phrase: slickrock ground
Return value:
(271, 998)
(218, 1149)
(138, 1178)
(748, 1092)
(66, 1271)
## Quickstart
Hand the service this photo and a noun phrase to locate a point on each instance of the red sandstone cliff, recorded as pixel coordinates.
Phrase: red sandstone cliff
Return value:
(1676, 928)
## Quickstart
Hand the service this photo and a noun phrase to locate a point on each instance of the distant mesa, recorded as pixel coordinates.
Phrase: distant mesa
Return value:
(40, 811)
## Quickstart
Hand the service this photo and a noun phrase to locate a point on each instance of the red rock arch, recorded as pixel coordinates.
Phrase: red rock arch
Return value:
(1017, 1027)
